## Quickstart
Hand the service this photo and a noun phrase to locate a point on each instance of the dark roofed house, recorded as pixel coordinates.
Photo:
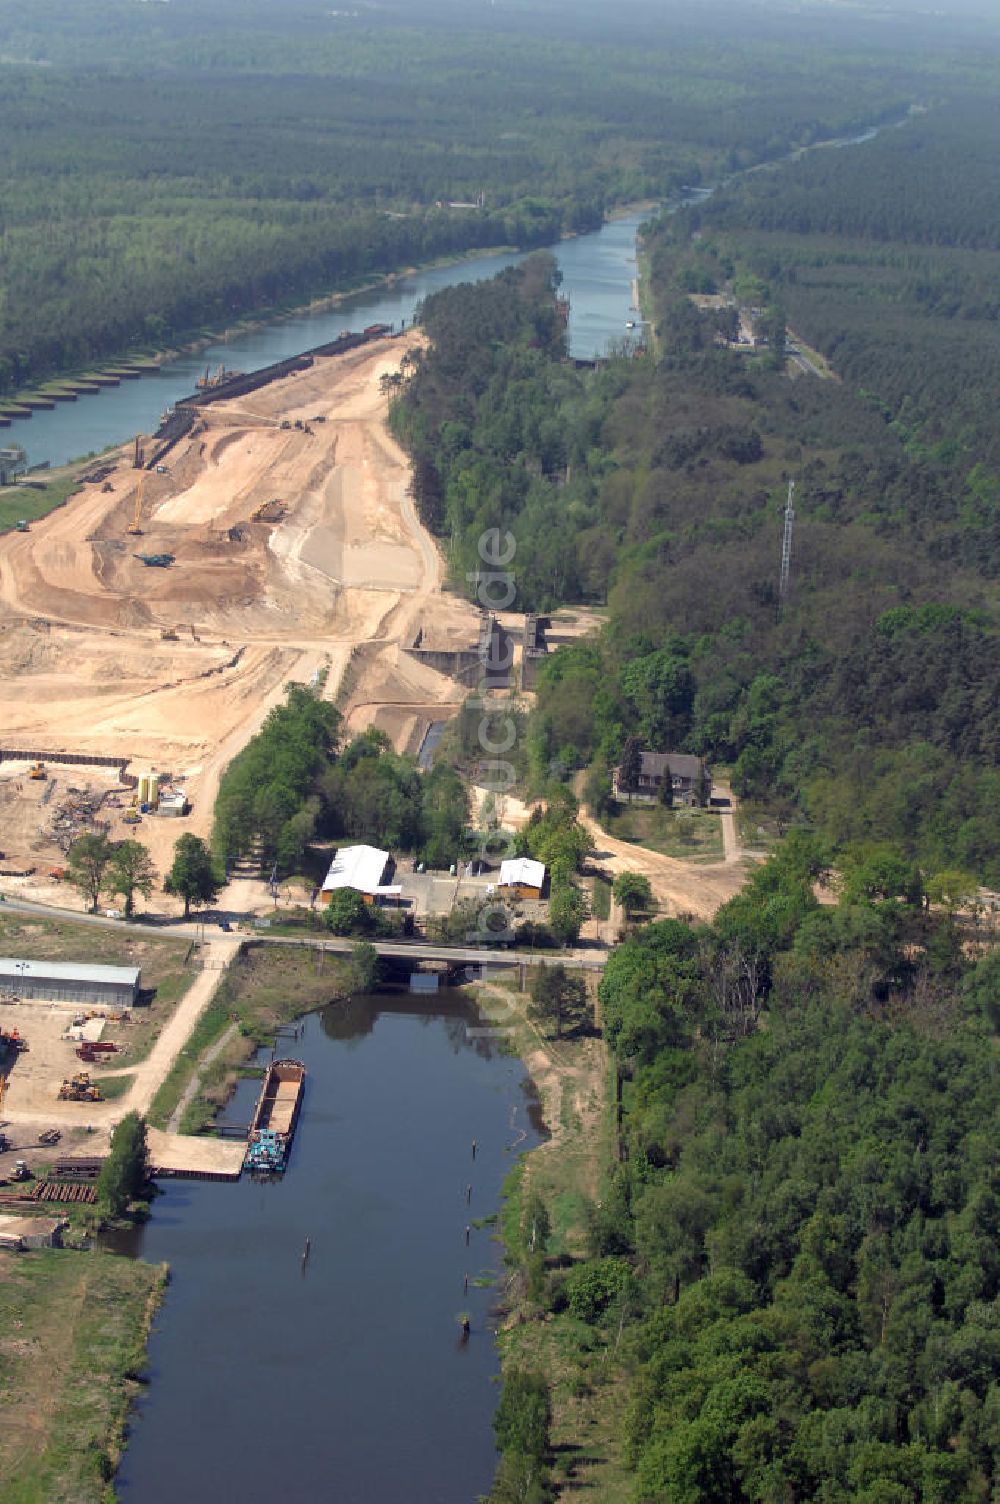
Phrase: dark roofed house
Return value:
(690, 777)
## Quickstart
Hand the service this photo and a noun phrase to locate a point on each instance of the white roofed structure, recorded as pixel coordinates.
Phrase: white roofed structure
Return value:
(522, 873)
(360, 867)
(69, 981)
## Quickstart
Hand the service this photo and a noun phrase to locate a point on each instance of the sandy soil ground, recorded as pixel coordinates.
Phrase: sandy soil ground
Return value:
(335, 575)
(678, 887)
(31, 1102)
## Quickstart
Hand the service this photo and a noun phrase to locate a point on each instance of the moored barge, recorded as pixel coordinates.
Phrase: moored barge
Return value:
(275, 1117)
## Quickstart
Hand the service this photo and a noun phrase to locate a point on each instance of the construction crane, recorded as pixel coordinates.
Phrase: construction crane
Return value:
(134, 529)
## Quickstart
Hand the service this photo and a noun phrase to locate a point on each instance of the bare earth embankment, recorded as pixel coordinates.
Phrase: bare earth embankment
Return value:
(339, 571)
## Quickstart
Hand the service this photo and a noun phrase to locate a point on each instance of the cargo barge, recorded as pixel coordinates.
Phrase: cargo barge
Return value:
(275, 1117)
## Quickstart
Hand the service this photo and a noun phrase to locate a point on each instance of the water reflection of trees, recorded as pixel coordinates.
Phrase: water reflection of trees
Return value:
(351, 1020)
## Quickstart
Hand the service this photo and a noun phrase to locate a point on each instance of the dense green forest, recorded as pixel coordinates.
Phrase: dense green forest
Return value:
(871, 708)
(884, 258)
(293, 783)
(794, 1268)
(165, 166)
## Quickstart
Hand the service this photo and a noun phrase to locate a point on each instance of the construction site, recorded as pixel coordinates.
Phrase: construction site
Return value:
(264, 535)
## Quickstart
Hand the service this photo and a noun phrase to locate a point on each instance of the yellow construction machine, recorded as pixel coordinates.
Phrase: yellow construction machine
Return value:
(37, 770)
(134, 529)
(80, 1088)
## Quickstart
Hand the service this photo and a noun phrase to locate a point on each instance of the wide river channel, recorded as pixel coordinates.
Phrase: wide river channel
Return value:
(598, 271)
(343, 1377)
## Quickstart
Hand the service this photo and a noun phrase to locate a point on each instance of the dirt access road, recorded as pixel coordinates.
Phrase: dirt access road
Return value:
(33, 1083)
(175, 668)
(698, 888)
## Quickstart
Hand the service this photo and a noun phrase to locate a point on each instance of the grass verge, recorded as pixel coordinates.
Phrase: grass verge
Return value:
(588, 1384)
(266, 986)
(40, 497)
(162, 962)
(688, 834)
(601, 898)
(74, 1327)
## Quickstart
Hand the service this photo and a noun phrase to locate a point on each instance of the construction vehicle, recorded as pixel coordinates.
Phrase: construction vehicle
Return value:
(268, 511)
(21, 525)
(156, 561)
(13, 1040)
(20, 1171)
(133, 528)
(132, 817)
(80, 1088)
(50, 1136)
(37, 770)
(216, 378)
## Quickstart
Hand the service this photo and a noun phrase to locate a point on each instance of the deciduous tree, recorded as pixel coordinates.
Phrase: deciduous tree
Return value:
(130, 871)
(87, 864)
(633, 892)
(192, 876)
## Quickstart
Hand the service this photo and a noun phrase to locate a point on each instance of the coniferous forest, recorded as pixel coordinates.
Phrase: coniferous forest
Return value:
(167, 166)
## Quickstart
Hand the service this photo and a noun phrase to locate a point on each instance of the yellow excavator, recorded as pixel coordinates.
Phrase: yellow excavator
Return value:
(133, 528)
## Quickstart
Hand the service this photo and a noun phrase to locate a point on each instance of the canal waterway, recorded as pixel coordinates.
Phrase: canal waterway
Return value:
(345, 1377)
(598, 270)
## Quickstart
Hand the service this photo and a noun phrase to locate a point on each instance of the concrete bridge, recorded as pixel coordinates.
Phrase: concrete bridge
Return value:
(414, 950)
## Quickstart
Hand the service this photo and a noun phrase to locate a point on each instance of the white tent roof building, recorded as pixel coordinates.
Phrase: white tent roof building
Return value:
(521, 871)
(360, 867)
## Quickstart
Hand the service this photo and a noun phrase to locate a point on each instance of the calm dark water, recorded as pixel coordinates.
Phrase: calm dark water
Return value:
(344, 1380)
(597, 274)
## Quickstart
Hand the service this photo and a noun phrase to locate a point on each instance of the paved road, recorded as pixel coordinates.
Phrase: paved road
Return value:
(806, 363)
(416, 950)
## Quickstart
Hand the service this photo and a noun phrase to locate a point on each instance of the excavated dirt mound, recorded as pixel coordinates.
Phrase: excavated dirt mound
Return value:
(295, 550)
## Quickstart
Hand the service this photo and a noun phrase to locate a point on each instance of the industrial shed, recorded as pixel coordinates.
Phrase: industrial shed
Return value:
(522, 877)
(70, 982)
(364, 868)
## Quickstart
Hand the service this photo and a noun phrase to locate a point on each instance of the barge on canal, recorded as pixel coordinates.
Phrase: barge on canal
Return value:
(275, 1117)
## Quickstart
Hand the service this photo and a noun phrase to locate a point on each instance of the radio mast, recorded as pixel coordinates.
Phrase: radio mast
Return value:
(786, 548)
